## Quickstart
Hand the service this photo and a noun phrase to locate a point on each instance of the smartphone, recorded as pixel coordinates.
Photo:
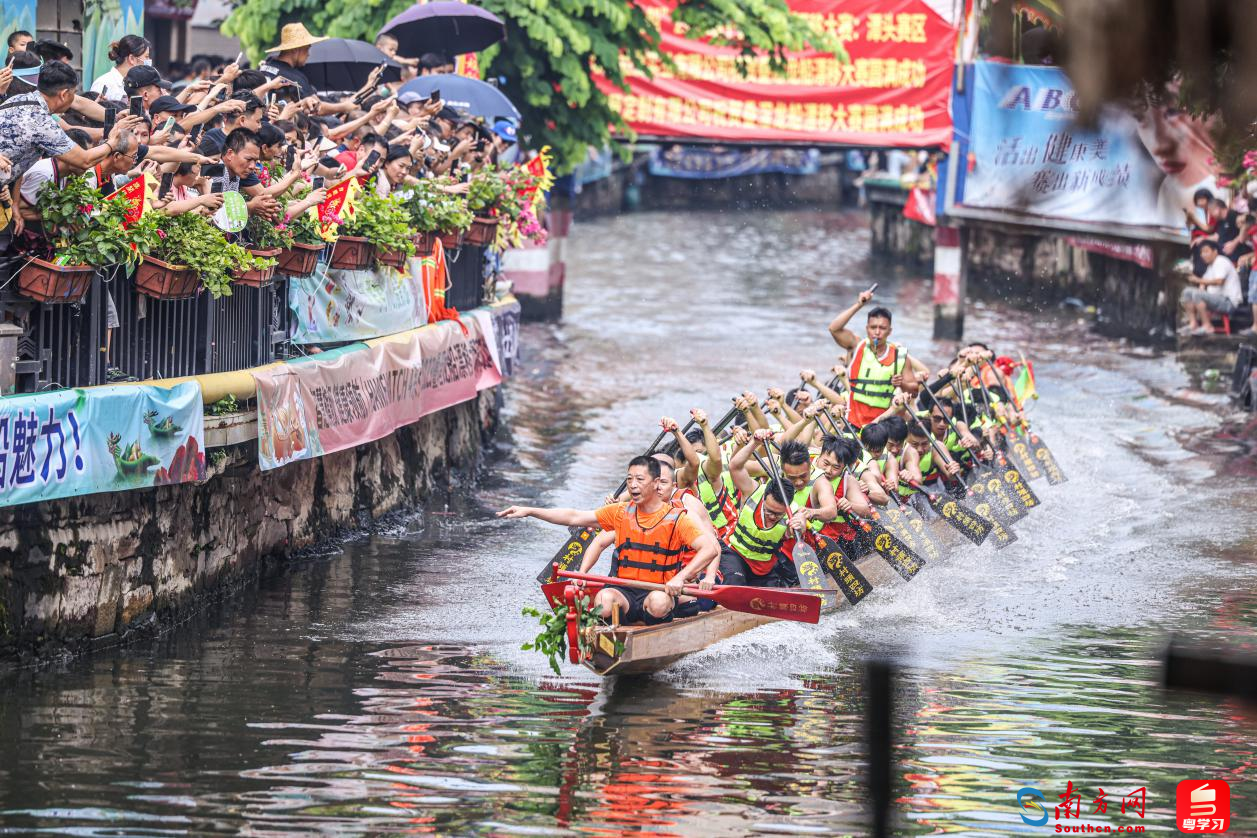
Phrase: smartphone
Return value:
(167, 181)
(213, 170)
(137, 106)
(329, 162)
(872, 288)
(318, 181)
(222, 94)
(270, 100)
(371, 158)
(196, 134)
(290, 157)
(216, 188)
(383, 92)
(168, 124)
(435, 96)
(111, 116)
(240, 59)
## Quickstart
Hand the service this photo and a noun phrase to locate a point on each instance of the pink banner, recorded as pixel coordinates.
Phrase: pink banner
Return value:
(364, 393)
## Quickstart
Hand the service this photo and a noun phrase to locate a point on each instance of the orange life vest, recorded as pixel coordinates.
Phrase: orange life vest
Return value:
(649, 555)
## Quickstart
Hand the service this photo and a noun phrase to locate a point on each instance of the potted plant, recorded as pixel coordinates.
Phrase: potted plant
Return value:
(301, 257)
(191, 242)
(486, 192)
(155, 277)
(264, 240)
(85, 232)
(436, 213)
(384, 224)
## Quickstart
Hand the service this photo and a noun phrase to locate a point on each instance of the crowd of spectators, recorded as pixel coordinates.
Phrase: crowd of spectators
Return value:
(1223, 236)
(211, 127)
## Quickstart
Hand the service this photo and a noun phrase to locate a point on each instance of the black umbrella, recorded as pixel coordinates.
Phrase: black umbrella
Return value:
(447, 27)
(345, 64)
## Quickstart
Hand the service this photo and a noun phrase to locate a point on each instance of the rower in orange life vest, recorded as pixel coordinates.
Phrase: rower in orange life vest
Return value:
(651, 536)
(877, 367)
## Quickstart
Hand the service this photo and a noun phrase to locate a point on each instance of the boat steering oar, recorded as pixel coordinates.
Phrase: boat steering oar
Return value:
(766, 602)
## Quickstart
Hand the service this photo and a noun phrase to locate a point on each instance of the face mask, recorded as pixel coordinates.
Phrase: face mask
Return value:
(147, 62)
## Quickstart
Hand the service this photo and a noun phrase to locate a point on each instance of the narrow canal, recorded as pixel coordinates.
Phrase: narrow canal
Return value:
(381, 689)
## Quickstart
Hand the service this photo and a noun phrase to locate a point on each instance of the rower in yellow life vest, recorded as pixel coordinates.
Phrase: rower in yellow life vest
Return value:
(878, 367)
(651, 538)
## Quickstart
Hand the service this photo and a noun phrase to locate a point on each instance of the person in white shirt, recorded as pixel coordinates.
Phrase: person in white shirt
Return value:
(126, 52)
(1217, 291)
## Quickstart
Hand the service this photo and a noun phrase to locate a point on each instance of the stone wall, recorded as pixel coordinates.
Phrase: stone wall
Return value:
(89, 571)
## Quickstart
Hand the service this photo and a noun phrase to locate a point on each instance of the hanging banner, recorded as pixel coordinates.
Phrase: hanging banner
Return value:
(1027, 155)
(341, 399)
(99, 439)
(702, 163)
(332, 306)
(893, 92)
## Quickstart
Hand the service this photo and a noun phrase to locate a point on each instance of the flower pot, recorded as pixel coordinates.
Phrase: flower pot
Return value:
(163, 281)
(259, 277)
(51, 283)
(452, 241)
(352, 253)
(393, 258)
(299, 260)
(424, 242)
(483, 231)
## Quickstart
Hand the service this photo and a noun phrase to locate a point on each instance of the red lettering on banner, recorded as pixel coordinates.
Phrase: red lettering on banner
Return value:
(894, 91)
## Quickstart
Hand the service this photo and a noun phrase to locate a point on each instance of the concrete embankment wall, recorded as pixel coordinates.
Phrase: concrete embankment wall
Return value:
(89, 571)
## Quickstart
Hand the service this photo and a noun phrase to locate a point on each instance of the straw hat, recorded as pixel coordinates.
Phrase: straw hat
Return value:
(294, 36)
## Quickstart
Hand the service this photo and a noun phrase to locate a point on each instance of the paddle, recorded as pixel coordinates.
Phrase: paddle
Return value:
(972, 526)
(1039, 448)
(569, 555)
(841, 569)
(1019, 447)
(809, 571)
(766, 602)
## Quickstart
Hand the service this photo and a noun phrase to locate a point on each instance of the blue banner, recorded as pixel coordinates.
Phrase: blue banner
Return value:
(331, 306)
(1026, 153)
(706, 163)
(99, 439)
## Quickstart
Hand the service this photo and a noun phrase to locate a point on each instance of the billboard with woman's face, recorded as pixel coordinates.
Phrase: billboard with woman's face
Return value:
(1138, 166)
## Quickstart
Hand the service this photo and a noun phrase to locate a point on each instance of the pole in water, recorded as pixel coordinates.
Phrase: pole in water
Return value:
(879, 710)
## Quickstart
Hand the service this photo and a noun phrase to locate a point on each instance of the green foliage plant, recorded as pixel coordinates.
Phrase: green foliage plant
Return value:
(85, 228)
(382, 221)
(190, 240)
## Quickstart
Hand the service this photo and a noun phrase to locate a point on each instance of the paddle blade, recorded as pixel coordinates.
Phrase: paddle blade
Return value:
(910, 527)
(568, 557)
(845, 574)
(784, 605)
(1019, 451)
(1017, 488)
(1001, 536)
(989, 489)
(972, 526)
(905, 562)
(1047, 461)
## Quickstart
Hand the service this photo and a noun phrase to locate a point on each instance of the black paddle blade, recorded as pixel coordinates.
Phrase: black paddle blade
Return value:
(1020, 453)
(905, 562)
(1018, 489)
(1001, 536)
(911, 529)
(1047, 461)
(844, 573)
(807, 567)
(989, 488)
(962, 519)
(568, 557)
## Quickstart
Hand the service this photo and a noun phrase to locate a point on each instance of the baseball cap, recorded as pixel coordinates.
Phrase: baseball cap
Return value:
(163, 104)
(505, 129)
(141, 76)
(410, 97)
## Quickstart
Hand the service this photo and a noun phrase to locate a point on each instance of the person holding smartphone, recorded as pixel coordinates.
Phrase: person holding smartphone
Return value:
(143, 82)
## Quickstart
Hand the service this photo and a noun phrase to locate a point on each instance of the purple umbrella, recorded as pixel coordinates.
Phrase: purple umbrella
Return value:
(447, 27)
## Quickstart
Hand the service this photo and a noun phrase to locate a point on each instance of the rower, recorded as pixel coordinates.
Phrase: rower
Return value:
(709, 479)
(921, 463)
(753, 553)
(650, 538)
(838, 456)
(877, 367)
(877, 468)
(896, 438)
(955, 434)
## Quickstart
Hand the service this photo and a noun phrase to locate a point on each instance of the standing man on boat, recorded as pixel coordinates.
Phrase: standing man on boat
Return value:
(650, 538)
(877, 366)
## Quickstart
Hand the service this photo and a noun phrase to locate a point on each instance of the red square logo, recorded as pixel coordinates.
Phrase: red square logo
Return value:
(1203, 806)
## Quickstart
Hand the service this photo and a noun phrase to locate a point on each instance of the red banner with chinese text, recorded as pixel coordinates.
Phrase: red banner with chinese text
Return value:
(893, 92)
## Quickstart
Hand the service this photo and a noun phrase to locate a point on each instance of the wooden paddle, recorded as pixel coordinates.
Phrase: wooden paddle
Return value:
(766, 602)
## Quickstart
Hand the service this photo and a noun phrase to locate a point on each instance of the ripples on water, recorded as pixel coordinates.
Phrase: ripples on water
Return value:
(381, 689)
